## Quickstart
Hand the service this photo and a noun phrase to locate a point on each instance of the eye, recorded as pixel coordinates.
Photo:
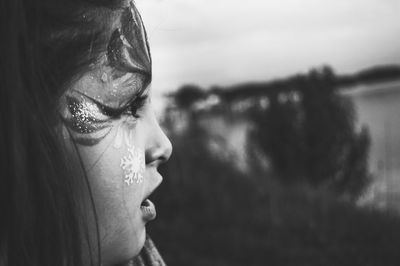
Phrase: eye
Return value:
(90, 121)
(88, 113)
(136, 105)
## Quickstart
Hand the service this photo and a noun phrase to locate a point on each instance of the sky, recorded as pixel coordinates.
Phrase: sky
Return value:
(223, 42)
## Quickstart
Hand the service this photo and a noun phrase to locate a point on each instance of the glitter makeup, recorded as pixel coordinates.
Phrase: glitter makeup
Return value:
(84, 115)
(124, 71)
(85, 120)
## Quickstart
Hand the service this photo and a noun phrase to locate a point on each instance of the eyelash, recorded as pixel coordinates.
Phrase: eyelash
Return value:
(135, 106)
(130, 110)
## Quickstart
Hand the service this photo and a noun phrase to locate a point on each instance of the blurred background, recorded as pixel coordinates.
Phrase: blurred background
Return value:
(285, 121)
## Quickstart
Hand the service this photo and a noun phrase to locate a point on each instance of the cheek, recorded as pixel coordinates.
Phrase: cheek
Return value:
(119, 156)
(117, 163)
(115, 169)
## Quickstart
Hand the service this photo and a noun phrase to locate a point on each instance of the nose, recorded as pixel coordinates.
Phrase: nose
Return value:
(159, 146)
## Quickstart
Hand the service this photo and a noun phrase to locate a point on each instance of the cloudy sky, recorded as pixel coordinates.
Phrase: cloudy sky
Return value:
(222, 42)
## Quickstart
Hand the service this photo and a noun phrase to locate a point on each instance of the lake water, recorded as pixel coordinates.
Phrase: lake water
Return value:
(378, 107)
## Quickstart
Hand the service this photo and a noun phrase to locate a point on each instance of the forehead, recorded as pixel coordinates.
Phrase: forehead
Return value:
(124, 69)
(111, 88)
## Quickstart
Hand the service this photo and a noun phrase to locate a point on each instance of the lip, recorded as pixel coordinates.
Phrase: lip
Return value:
(148, 210)
(150, 192)
(147, 207)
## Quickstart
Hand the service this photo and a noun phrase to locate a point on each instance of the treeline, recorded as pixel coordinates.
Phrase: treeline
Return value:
(370, 75)
(185, 96)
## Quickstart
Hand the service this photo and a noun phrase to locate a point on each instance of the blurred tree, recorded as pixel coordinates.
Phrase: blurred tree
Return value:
(315, 140)
(355, 176)
(187, 95)
(328, 126)
(279, 134)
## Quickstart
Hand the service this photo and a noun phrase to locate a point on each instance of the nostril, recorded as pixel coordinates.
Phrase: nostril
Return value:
(159, 155)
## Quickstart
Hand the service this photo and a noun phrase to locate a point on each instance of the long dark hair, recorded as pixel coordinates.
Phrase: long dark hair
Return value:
(47, 43)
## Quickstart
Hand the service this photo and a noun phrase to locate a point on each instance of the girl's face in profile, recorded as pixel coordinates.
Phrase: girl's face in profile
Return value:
(110, 127)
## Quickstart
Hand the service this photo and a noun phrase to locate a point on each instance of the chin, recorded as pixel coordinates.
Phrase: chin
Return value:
(141, 241)
(127, 250)
(135, 246)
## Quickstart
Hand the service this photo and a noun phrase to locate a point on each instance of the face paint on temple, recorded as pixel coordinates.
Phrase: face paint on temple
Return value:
(124, 71)
(106, 94)
(128, 48)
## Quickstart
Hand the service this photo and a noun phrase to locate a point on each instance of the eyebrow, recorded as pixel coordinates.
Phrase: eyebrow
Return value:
(142, 94)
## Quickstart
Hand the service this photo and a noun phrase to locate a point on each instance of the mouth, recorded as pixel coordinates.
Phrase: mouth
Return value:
(147, 207)
(148, 210)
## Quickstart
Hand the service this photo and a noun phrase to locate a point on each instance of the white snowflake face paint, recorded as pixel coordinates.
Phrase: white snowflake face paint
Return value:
(133, 165)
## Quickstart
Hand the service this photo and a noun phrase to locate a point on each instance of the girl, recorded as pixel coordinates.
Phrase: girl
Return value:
(80, 145)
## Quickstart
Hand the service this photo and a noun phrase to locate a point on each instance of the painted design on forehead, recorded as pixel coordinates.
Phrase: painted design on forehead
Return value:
(124, 71)
(133, 165)
(128, 49)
